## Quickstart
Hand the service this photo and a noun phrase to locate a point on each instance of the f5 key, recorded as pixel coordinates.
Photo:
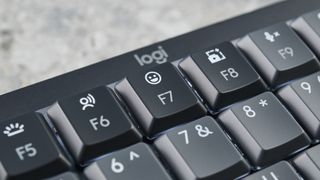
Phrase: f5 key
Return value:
(28, 149)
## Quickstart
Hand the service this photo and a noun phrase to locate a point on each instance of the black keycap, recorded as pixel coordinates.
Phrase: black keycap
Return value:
(280, 171)
(160, 98)
(29, 150)
(303, 97)
(264, 129)
(222, 75)
(308, 163)
(279, 54)
(308, 26)
(200, 150)
(135, 162)
(93, 123)
(66, 176)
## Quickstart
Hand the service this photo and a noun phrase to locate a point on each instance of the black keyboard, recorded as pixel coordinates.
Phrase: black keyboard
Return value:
(234, 100)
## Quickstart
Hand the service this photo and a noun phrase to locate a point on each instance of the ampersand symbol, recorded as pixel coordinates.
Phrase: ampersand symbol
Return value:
(203, 131)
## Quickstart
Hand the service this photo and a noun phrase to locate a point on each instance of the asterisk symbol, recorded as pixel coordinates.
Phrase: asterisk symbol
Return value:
(263, 103)
(276, 34)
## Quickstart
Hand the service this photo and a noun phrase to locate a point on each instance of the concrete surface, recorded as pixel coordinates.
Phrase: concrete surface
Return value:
(40, 39)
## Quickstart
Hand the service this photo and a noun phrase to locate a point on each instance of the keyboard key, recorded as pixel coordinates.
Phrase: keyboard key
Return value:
(28, 149)
(308, 26)
(279, 54)
(264, 129)
(308, 163)
(280, 171)
(200, 150)
(303, 97)
(222, 75)
(93, 123)
(135, 162)
(160, 98)
(66, 176)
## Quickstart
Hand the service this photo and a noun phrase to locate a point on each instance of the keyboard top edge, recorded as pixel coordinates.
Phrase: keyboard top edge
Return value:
(45, 93)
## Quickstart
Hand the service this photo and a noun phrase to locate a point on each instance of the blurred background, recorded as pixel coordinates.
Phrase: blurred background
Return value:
(41, 39)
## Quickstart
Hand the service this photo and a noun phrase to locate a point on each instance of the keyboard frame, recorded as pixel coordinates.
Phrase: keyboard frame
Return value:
(45, 93)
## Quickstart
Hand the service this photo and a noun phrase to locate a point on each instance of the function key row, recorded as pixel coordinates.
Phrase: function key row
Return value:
(94, 123)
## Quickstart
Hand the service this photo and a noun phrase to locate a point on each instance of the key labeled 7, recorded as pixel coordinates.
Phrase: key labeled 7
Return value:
(202, 132)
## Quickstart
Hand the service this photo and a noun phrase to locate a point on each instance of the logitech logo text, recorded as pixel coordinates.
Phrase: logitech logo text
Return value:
(158, 56)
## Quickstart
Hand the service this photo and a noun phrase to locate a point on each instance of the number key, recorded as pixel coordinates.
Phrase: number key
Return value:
(135, 162)
(302, 97)
(200, 150)
(264, 129)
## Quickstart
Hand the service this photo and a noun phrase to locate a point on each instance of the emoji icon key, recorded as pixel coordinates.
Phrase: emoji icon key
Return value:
(159, 98)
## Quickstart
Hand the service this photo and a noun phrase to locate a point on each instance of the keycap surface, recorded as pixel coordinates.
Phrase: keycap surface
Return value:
(93, 123)
(280, 171)
(66, 176)
(135, 162)
(279, 54)
(264, 129)
(308, 163)
(308, 26)
(302, 97)
(29, 150)
(200, 150)
(160, 98)
(222, 75)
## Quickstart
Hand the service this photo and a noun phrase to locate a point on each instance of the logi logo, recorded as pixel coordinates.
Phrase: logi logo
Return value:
(158, 56)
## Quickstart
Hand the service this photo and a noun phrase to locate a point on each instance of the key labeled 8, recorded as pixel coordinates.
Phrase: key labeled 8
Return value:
(249, 111)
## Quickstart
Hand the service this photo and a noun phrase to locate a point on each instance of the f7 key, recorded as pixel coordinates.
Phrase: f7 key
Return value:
(160, 99)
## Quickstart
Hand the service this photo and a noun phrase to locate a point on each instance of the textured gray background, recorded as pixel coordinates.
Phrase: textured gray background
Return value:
(40, 39)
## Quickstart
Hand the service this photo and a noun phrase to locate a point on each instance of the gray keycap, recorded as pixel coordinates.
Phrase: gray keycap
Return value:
(200, 151)
(308, 163)
(93, 123)
(264, 129)
(303, 97)
(160, 99)
(66, 176)
(279, 54)
(135, 162)
(29, 150)
(280, 171)
(222, 75)
(308, 26)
